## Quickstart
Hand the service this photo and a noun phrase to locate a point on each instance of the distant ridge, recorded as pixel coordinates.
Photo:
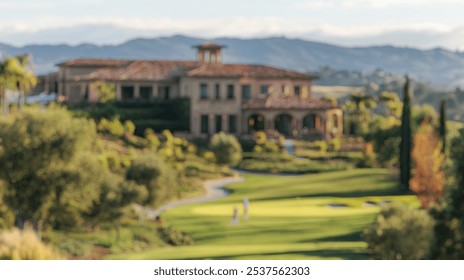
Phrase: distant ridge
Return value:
(438, 66)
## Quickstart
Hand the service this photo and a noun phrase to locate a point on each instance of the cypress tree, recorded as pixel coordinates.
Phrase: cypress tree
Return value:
(405, 147)
(443, 125)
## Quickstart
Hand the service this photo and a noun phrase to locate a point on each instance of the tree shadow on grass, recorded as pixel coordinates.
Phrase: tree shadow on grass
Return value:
(345, 254)
(351, 194)
(349, 237)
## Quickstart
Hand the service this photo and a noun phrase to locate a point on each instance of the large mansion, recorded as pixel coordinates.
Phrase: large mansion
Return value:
(234, 98)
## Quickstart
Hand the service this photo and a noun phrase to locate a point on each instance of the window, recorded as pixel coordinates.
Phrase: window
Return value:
(86, 96)
(146, 92)
(297, 90)
(230, 92)
(167, 92)
(335, 121)
(218, 121)
(217, 91)
(264, 89)
(286, 90)
(127, 92)
(204, 124)
(232, 123)
(246, 92)
(304, 92)
(309, 121)
(203, 91)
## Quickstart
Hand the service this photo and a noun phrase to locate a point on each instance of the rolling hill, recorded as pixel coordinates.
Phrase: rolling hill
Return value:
(440, 67)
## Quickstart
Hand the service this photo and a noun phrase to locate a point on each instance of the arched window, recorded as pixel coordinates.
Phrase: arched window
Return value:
(283, 124)
(255, 123)
(335, 121)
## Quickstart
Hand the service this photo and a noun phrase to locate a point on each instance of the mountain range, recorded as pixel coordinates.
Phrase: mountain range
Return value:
(439, 67)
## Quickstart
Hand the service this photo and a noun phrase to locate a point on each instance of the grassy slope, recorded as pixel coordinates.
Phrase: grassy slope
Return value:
(289, 218)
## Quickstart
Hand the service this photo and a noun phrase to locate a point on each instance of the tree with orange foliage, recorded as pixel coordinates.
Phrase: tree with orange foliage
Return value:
(428, 180)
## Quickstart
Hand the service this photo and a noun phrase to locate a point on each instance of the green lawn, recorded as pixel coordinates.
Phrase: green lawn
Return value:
(289, 218)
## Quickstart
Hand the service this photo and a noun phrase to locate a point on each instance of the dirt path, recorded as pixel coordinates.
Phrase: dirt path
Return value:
(215, 189)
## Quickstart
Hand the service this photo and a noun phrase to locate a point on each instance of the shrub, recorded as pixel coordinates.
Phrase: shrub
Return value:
(400, 233)
(263, 145)
(368, 160)
(129, 127)
(113, 127)
(389, 151)
(174, 237)
(209, 157)
(24, 245)
(155, 175)
(226, 148)
(335, 145)
(6, 217)
(321, 146)
(106, 92)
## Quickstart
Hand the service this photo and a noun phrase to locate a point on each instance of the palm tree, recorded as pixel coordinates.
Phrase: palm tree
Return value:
(5, 83)
(393, 103)
(359, 107)
(363, 102)
(26, 78)
(15, 75)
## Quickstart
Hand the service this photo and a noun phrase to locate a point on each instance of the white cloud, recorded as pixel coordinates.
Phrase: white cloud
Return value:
(112, 30)
(45, 4)
(330, 4)
(25, 5)
(239, 26)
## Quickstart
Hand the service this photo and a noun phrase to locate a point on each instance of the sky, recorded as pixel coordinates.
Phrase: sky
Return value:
(414, 23)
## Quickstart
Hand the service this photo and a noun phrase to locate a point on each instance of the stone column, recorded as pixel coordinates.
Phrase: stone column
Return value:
(136, 91)
(211, 124)
(118, 92)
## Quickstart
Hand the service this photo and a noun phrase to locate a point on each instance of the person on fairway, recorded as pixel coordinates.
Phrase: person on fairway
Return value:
(234, 220)
(246, 207)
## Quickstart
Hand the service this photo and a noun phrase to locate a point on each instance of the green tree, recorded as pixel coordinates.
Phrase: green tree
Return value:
(226, 148)
(25, 78)
(449, 227)
(38, 148)
(392, 102)
(443, 125)
(400, 233)
(359, 112)
(330, 99)
(106, 92)
(421, 114)
(406, 142)
(114, 195)
(15, 74)
(77, 185)
(157, 177)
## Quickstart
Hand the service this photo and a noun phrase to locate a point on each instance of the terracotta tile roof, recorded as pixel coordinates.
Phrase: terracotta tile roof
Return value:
(287, 102)
(145, 70)
(141, 71)
(245, 71)
(209, 46)
(94, 62)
